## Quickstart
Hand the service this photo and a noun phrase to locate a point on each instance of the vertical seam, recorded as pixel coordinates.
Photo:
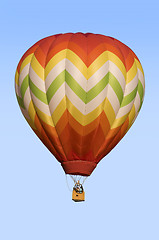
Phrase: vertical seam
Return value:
(65, 89)
(118, 110)
(96, 130)
(47, 97)
(31, 97)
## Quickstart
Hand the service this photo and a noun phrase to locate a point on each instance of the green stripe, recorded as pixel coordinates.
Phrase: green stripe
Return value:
(24, 86)
(140, 90)
(20, 101)
(59, 80)
(37, 92)
(128, 98)
(92, 93)
(140, 106)
(76, 88)
(86, 97)
(116, 87)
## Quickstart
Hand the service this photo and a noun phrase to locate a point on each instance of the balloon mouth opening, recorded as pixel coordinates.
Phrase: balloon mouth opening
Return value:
(78, 167)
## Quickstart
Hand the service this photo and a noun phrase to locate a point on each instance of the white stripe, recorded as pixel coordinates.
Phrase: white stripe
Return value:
(117, 74)
(36, 79)
(137, 102)
(72, 70)
(40, 105)
(17, 90)
(56, 99)
(79, 77)
(125, 110)
(108, 66)
(76, 74)
(113, 99)
(75, 100)
(98, 75)
(131, 85)
(23, 74)
(60, 67)
(95, 102)
(141, 77)
(27, 99)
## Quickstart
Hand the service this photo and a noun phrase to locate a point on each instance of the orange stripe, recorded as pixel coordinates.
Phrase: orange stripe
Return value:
(129, 61)
(30, 51)
(54, 139)
(97, 141)
(80, 144)
(43, 137)
(118, 137)
(63, 121)
(42, 50)
(83, 130)
(65, 140)
(58, 44)
(109, 138)
(106, 44)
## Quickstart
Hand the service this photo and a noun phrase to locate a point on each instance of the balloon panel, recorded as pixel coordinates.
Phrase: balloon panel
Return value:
(80, 93)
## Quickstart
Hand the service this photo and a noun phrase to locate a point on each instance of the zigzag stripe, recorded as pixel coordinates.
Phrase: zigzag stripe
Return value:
(80, 78)
(63, 94)
(80, 65)
(131, 73)
(84, 97)
(46, 111)
(137, 103)
(23, 74)
(104, 57)
(42, 87)
(85, 109)
(131, 85)
(17, 90)
(38, 82)
(71, 56)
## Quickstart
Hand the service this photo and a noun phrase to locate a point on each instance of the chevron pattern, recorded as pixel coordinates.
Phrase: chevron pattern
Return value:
(80, 93)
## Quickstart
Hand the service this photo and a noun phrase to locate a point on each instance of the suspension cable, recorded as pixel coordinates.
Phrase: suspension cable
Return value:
(75, 178)
(67, 183)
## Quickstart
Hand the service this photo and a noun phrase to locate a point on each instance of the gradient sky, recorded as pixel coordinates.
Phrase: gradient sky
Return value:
(122, 194)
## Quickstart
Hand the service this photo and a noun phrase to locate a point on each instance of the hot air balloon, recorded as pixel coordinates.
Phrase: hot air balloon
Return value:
(80, 93)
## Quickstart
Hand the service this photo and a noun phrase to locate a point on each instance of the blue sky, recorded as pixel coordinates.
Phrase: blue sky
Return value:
(122, 197)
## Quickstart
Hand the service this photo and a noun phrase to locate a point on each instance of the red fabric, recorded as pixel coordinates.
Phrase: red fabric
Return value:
(79, 167)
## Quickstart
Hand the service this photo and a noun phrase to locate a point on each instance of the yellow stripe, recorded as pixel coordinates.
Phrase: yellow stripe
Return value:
(31, 124)
(87, 72)
(139, 66)
(17, 78)
(84, 119)
(90, 117)
(104, 57)
(36, 66)
(119, 121)
(71, 56)
(31, 111)
(25, 62)
(131, 73)
(60, 109)
(109, 111)
(44, 117)
(132, 115)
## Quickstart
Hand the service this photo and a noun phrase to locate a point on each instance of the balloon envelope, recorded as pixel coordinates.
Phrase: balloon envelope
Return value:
(80, 93)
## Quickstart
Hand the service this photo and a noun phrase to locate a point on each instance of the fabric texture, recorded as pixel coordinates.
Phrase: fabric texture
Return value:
(80, 93)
